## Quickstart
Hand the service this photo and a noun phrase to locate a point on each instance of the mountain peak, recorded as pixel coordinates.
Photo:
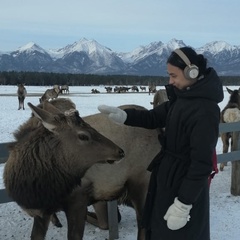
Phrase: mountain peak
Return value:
(83, 45)
(218, 46)
(31, 47)
(174, 44)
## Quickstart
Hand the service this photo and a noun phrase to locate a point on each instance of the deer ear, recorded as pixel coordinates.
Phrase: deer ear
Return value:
(47, 106)
(47, 118)
(229, 90)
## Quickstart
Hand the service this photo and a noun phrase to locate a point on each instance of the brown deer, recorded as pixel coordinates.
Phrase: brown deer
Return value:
(143, 88)
(22, 93)
(49, 94)
(151, 88)
(160, 96)
(44, 171)
(64, 89)
(230, 113)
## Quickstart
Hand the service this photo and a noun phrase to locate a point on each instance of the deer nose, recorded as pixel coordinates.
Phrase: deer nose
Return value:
(121, 153)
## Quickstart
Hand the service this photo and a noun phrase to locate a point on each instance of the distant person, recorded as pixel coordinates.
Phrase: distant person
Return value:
(177, 204)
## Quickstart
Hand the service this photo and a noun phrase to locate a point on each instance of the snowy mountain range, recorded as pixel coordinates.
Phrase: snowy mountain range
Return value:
(90, 57)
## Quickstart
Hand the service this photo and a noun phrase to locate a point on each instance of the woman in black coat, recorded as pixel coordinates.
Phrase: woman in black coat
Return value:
(177, 204)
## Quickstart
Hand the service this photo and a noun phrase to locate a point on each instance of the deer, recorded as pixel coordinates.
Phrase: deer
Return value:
(22, 93)
(51, 153)
(230, 113)
(49, 94)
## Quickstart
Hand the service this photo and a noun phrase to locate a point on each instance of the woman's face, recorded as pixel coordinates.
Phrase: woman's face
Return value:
(177, 79)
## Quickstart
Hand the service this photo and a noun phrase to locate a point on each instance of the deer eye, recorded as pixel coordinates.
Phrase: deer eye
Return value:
(83, 137)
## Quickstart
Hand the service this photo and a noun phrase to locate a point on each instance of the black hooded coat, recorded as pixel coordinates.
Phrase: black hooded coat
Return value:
(181, 169)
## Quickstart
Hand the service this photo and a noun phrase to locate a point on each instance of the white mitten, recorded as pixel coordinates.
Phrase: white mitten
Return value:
(114, 113)
(177, 215)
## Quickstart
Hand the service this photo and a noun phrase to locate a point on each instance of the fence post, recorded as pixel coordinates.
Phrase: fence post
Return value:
(4, 151)
(235, 178)
(4, 198)
(113, 219)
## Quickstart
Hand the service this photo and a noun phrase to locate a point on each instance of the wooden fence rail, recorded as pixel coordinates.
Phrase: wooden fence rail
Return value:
(112, 205)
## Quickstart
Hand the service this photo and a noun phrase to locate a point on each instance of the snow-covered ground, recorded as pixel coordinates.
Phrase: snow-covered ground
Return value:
(16, 225)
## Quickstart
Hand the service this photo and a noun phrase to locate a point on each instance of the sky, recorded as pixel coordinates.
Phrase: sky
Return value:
(120, 25)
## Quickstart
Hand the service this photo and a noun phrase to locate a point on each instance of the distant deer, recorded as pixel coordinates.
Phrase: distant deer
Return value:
(230, 113)
(108, 89)
(151, 88)
(160, 96)
(135, 88)
(95, 91)
(49, 94)
(22, 93)
(64, 89)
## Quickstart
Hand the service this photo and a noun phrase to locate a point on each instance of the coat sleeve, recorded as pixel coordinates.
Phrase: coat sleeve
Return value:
(203, 140)
(150, 119)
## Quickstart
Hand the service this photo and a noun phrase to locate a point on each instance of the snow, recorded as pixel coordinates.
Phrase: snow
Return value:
(16, 224)
(142, 52)
(31, 47)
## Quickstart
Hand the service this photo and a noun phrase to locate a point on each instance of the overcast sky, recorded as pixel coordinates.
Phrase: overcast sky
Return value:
(121, 25)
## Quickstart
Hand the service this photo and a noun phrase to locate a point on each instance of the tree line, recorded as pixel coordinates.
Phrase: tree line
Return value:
(49, 79)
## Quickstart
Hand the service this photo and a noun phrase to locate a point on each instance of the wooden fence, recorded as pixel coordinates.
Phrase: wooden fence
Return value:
(233, 156)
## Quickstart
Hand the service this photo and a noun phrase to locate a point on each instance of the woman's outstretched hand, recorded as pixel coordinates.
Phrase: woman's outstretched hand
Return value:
(114, 113)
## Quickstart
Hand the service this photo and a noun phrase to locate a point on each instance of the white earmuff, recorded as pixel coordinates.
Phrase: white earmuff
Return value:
(191, 71)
